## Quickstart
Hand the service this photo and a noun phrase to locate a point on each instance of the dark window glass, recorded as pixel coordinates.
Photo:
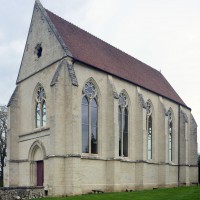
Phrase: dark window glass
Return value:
(94, 114)
(123, 125)
(94, 120)
(84, 101)
(94, 140)
(85, 138)
(89, 119)
(120, 130)
(85, 109)
(85, 125)
(39, 53)
(125, 133)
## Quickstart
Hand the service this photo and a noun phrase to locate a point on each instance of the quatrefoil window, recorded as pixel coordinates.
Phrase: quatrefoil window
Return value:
(170, 116)
(149, 108)
(122, 100)
(90, 90)
(40, 95)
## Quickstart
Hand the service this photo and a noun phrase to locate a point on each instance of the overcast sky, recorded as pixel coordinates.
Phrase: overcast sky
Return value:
(164, 34)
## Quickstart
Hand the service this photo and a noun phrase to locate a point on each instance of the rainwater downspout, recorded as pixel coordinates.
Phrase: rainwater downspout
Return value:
(179, 145)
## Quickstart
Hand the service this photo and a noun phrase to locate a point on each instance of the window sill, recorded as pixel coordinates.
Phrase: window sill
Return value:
(91, 156)
(123, 158)
(150, 161)
(172, 163)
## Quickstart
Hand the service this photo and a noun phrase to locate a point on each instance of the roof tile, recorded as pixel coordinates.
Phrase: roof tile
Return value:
(101, 55)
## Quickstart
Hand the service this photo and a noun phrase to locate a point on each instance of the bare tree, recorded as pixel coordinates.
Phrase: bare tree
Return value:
(199, 166)
(3, 131)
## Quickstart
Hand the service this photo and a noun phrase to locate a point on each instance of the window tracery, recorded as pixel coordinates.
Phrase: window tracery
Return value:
(122, 100)
(90, 90)
(123, 125)
(40, 108)
(149, 108)
(170, 134)
(89, 119)
(149, 130)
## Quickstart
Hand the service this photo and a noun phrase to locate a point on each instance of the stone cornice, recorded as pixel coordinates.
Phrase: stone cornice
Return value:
(89, 157)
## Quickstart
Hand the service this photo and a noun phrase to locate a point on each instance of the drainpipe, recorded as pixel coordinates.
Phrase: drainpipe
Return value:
(179, 145)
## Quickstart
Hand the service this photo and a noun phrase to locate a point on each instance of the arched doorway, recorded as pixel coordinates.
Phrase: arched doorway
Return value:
(36, 158)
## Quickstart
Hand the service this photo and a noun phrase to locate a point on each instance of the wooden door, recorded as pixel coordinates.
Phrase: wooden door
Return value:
(40, 173)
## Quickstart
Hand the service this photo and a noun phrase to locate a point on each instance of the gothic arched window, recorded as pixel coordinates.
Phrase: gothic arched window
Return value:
(170, 134)
(89, 119)
(149, 129)
(123, 125)
(40, 108)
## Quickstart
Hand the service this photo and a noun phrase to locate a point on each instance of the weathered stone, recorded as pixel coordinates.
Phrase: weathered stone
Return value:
(20, 193)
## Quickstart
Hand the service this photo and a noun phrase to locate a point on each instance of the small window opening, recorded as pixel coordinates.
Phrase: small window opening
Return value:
(38, 50)
(39, 53)
(46, 192)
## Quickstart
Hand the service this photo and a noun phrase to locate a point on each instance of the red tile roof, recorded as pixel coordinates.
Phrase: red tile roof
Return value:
(89, 49)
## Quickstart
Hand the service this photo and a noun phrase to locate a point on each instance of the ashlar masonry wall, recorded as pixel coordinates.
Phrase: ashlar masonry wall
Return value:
(13, 193)
(67, 171)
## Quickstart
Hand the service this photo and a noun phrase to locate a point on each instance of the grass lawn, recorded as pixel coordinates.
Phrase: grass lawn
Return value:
(181, 193)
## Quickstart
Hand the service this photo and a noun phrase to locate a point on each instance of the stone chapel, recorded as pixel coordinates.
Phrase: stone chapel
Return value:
(86, 116)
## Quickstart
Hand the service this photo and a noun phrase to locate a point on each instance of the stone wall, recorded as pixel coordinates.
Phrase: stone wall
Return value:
(11, 193)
